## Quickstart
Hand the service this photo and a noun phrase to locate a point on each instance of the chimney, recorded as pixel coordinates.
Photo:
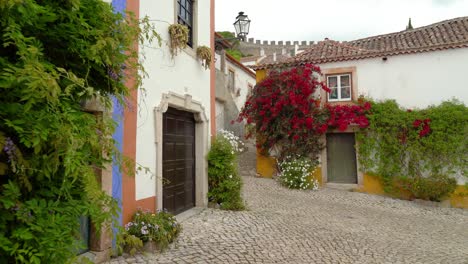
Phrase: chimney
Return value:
(274, 56)
(262, 52)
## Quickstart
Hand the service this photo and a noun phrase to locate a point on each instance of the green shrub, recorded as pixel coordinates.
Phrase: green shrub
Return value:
(54, 55)
(160, 227)
(433, 188)
(223, 179)
(295, 173)
(427, 146)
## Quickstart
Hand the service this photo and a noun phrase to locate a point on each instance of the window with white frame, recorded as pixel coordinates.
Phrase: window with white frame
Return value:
(340, 86)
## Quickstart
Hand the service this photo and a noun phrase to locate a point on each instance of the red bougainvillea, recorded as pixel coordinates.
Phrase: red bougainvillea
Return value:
(423, 125)
(341, 116)
(286, 112)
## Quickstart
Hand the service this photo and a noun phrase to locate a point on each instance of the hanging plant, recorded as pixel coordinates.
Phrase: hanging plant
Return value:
(204, 54)
(179, 35)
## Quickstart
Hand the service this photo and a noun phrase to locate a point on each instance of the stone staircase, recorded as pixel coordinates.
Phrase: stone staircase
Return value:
(247, 161)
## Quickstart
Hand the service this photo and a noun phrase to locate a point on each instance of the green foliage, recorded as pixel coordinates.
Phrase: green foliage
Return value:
(231, 38)
(434, 188)
(160, 227)
(395, 145)
(295, 173)
(235, 53)
(130, 243)
(224, 182)
(53, 56)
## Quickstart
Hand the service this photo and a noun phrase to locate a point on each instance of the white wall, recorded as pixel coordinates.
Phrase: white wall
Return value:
(415, 80)
(182, 75)
(242, 81)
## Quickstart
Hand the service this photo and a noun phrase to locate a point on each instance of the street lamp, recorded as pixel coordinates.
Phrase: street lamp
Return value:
(242, 26)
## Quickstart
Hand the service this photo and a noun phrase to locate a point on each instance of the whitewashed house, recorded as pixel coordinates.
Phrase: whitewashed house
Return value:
(234, 82)
(416, 67)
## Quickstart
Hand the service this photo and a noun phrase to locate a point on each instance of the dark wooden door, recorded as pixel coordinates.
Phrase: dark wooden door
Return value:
(178, 161)
(341, 158)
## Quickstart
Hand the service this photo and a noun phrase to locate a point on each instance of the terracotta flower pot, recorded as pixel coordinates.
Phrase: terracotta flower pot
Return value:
(150, 246)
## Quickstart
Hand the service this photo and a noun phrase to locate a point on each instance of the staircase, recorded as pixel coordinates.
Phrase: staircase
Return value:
(247, 160)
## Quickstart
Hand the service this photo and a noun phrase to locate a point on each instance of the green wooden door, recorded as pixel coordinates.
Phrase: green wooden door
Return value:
(341, 158)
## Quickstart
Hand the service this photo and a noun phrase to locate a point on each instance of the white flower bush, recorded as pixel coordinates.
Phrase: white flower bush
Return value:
(236, 143)
(296, 173)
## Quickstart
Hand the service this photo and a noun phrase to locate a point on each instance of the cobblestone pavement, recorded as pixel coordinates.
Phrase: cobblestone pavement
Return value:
(325, 226)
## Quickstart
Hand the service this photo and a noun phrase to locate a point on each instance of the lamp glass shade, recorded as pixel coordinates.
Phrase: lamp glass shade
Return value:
(242, 25)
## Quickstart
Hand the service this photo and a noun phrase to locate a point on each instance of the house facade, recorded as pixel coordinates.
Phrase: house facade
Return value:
(416, 67)
(234, 82)
(165, 128)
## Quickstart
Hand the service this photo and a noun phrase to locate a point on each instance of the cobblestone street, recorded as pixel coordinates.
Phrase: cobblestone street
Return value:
(326, 226)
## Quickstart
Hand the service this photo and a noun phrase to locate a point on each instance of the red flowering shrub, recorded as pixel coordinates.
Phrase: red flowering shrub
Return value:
(425, 129)
(286, 112)
(341, 116)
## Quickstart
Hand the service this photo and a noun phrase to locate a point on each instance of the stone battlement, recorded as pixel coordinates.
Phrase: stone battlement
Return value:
(269, 47)
(278, 43)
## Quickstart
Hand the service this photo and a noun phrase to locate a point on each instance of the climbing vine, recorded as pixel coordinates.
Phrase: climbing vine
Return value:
(54, 55)
(404, 147)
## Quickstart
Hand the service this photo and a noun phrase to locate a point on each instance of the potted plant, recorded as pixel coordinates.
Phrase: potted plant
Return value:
(204, 54)
(179, 36)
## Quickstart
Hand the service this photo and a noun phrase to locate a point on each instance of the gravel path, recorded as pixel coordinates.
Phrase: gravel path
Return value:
(325, 226)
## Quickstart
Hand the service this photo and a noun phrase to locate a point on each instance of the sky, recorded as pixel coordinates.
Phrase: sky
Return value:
(335, 19)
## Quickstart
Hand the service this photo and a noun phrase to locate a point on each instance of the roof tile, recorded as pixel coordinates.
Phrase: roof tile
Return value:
(448, 34)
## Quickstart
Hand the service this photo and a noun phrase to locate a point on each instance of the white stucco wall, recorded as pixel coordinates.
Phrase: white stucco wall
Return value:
(242, 82)
(415, 80)
(182, 75)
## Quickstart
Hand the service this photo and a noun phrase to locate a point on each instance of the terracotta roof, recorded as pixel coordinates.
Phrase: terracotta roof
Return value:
(221, 41)
(250, 58)
(279, 58)
(448, 34)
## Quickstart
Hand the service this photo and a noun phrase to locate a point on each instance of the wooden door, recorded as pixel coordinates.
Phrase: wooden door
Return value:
(178, 161)
(341, 158)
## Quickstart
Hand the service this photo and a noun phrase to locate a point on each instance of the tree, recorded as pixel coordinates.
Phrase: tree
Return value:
(55, 54)
(409, 26)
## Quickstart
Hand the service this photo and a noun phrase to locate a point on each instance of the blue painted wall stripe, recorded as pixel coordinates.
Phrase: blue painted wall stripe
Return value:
(119, 7)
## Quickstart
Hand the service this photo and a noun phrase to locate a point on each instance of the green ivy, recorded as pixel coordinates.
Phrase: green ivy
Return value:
(53, 56)
(393, 146)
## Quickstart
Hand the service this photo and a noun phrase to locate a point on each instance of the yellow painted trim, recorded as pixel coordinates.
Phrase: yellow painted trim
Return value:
(266, 166)
(372, 185)
(459, 198)
(261, 75)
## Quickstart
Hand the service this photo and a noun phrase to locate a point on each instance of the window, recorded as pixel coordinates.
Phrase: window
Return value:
(340, 86)
(250, 88)
(185, 17)
(231, 81)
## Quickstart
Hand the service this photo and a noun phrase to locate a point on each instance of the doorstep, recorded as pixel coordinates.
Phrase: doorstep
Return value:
(341, 186)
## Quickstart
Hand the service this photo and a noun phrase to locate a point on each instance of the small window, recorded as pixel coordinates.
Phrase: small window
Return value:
(250, 88)
(231, 81)
(340, 86)
(185, 17)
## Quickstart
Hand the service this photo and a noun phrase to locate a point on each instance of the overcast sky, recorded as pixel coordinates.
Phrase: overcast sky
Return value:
(335, 19)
